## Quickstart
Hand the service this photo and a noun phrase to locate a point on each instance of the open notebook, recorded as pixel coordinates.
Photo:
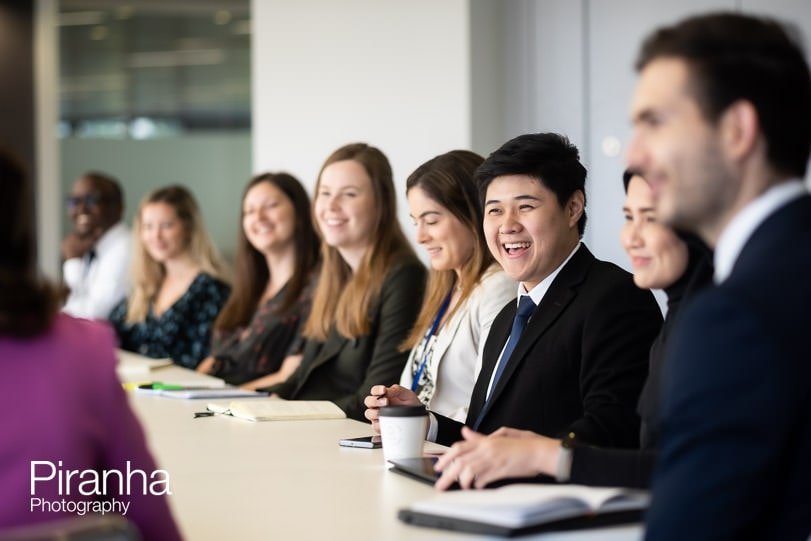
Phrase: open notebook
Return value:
(519, 509)
(274, 409)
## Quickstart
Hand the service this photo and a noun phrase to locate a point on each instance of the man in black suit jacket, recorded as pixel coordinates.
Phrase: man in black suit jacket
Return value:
(722, 115)
(580, 362)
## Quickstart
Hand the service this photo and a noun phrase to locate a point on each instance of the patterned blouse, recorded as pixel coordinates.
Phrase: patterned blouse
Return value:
(183, 331)
(258, 349)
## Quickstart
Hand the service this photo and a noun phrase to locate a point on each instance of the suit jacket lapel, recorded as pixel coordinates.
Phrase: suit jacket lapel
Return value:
(334, 344)
(499, 333)
(553, 304)
(445, 336)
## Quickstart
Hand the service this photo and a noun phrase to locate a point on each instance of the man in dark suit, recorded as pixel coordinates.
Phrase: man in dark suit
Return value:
(722, 131)
(570, 356)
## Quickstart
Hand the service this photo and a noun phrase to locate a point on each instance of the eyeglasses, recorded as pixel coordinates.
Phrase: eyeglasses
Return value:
(90, 200)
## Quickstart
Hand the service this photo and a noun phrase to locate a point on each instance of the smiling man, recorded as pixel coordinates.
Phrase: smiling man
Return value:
(570, 355)
(722, 131)
(96, 251)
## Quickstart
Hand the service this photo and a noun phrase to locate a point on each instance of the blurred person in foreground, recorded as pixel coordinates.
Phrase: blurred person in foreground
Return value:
(61, 399)
(722, 131)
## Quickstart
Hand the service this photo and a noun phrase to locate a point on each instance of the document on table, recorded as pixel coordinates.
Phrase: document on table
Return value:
(274, 409)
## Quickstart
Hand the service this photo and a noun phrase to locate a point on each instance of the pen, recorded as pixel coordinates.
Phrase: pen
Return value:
(169, 387)
(132, 385)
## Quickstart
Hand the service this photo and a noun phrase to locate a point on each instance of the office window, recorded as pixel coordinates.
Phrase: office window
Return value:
(158, 92)
(150, 69)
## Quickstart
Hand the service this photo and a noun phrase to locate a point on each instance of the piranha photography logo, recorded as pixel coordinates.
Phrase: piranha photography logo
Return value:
(57, 489)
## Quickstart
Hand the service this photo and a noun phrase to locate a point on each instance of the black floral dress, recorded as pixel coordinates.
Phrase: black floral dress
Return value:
(182, 332)
(259, 348)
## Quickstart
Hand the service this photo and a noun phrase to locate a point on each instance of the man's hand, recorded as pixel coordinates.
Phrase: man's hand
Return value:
(75, 245)
(480, 460)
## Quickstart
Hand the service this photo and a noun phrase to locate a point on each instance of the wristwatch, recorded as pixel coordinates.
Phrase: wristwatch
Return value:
(563, 470)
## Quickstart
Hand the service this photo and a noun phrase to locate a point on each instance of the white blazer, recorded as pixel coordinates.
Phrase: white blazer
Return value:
(456, 358)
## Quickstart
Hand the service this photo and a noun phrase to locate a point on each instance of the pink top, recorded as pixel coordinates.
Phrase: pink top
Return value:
(60, 400)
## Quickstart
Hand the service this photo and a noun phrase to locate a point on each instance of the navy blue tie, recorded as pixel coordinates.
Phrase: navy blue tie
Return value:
(525, 309)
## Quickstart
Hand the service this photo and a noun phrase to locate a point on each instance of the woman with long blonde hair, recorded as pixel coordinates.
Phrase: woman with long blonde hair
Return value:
(178, 281)
(370, 286)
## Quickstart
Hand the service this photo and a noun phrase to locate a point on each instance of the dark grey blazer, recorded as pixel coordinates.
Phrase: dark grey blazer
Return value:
(342, 369)
(579, 365)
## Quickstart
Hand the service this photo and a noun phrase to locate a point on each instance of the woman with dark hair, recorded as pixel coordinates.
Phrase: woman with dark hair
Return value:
(61, 399)
(680, 264)
(178, 281)
(466, 288)
(370, 286)
(258, 333)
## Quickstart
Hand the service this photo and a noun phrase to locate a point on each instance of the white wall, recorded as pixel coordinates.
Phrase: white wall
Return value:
(390, 73)
(421, 77)
(616, 30)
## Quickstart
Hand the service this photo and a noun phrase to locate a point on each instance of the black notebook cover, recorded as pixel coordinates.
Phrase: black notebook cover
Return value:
(580, 522)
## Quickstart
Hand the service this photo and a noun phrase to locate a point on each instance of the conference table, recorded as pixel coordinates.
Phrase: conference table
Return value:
(243, 480)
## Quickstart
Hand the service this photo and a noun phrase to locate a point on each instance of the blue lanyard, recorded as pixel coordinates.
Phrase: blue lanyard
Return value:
(427, 338)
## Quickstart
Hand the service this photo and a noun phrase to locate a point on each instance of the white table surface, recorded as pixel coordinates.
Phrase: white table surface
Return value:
(235, 479)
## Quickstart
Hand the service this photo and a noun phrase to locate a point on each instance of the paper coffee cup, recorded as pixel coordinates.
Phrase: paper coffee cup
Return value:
(402, 431)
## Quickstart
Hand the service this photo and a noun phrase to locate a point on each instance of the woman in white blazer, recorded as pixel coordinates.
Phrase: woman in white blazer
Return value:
(466, 288)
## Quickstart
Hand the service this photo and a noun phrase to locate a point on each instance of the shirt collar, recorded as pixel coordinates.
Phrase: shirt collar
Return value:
(537, 293)
(734, 237)
(109, 236)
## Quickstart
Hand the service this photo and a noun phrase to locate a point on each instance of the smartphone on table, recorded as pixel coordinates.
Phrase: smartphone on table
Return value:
(365, 442)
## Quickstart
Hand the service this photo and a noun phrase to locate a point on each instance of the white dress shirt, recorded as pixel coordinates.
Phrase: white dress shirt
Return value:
(536, 294)
(98, 284)
(734, 237)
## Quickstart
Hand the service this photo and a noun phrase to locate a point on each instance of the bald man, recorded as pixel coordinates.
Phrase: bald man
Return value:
(97, 252)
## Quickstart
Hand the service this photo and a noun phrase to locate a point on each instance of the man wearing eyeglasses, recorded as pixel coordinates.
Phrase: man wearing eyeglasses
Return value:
(98, 250)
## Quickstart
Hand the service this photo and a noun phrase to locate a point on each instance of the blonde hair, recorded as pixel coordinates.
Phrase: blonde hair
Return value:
(342, 298)
(148, 274)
